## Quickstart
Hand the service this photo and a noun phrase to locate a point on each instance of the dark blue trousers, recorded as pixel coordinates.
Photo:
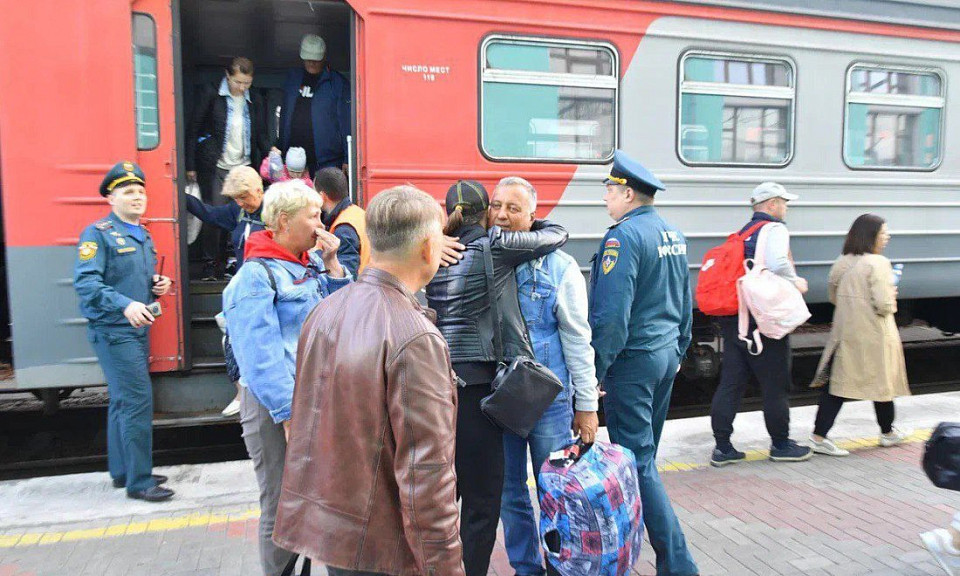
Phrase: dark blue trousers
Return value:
(638, 387)
(123, 353)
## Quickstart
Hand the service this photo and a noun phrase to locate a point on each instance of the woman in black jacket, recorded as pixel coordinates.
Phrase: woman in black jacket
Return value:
(461, 296)
(227, 129)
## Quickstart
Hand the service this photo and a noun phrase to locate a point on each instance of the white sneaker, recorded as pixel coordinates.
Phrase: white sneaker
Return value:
(827, 447)
(895, 437)
(940, 544)
(232, 409)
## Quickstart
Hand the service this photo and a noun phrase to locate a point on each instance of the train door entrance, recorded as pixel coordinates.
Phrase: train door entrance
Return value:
(211, 34)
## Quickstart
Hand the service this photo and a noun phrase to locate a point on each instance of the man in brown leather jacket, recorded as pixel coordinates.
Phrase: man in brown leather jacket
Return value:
(369, 486)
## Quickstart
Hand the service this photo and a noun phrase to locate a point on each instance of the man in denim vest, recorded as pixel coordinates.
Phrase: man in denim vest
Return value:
(553, 301)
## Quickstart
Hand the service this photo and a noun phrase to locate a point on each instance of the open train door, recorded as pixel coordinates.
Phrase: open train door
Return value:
(91, 89)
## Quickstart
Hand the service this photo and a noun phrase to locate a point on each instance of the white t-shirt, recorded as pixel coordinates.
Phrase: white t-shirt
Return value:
(233, 150)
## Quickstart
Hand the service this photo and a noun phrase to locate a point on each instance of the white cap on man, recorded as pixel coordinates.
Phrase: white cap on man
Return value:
(769, 190)
(312, 47)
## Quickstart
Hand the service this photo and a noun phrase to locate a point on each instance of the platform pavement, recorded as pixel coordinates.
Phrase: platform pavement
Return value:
(826, 517)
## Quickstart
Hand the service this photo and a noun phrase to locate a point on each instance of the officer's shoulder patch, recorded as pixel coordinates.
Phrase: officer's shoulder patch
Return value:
(87, 250)
(103, 225)
(611, 253)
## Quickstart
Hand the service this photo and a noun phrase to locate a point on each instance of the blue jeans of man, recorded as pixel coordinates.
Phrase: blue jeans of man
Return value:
(638, 387)
(123, 353)
(520, 533)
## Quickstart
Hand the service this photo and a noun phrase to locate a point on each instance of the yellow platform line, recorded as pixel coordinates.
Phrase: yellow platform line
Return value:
(125, 529)
(852, 444)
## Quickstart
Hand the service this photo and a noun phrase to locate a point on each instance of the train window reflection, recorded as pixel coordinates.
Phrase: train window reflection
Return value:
(894, 118)
(145, 81)
(551, 100)
(736, 110)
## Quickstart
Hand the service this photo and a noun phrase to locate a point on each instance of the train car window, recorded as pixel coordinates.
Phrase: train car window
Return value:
(548, 100)
(735, 110)
(145, 81)
(894, 118)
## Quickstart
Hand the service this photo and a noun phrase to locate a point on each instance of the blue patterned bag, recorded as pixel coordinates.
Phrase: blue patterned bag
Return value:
(590, 513)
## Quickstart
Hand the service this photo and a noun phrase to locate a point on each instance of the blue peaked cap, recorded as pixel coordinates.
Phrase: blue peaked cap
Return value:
(628, 172)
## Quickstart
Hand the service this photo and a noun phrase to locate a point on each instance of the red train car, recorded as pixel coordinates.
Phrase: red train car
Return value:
(713, 95)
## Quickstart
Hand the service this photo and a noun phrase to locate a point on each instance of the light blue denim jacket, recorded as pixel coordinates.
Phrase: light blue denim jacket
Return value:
(264, 332)
(553, 300)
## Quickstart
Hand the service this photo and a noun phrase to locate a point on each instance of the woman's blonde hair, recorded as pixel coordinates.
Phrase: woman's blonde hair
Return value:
(287, 198)
(241, 180)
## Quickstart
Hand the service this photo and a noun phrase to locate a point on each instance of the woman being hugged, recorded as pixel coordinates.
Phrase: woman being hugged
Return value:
(864, 358)
(266, 303)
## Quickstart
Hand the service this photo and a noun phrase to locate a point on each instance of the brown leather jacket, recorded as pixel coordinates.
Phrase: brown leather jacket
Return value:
(369, 481)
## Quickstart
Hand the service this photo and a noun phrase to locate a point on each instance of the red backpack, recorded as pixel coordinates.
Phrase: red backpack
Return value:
(722, 266)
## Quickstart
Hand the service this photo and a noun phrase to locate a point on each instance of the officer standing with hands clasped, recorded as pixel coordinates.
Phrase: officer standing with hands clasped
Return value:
(116, 283)
(641, 314)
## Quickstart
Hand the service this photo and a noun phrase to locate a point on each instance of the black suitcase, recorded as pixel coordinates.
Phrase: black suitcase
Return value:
(941, 456)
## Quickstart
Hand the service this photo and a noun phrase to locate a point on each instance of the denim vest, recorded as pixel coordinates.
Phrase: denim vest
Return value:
(537, 283)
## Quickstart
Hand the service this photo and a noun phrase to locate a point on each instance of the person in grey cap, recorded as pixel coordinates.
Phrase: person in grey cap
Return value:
(315, 114)
(772, 366)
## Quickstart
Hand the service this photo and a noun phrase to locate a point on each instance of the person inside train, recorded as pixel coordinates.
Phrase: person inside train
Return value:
(240, 218)
(383, 506)
(227, 129)
(461, 296)
(641, 314)
(315, 114)
(772, 366)
(343, 218)
(863, 359)
(553, 302)
(116, 281)
(265, 305)
(280, 168)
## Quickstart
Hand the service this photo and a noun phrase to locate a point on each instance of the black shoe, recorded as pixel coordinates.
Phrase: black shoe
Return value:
(155, 494)
(791, 452)
(121, 482)
(731, 456)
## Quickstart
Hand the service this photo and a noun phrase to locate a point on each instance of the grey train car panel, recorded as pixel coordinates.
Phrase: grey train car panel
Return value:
(709, 202)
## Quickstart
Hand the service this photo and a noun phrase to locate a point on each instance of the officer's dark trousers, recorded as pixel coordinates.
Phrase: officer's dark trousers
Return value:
(638, 386)
(479, 465)
(772, 370)
(123, 353)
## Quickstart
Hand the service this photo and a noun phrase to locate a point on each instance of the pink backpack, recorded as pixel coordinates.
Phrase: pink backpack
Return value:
(775, 303)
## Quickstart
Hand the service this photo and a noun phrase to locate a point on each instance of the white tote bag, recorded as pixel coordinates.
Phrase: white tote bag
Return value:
(193, 223)
(775, 303)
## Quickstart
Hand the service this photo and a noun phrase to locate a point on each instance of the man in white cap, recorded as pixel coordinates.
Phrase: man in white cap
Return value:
(772, 366)
(315, 114)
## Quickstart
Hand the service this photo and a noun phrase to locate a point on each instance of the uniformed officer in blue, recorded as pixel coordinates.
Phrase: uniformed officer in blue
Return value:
(115, 279)
(641, 315)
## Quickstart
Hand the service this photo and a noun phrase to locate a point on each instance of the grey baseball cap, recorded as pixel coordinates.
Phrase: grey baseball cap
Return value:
(769, 190)
(312, 47)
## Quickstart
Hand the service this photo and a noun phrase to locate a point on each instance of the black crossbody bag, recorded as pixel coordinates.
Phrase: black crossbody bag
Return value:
(523, 389)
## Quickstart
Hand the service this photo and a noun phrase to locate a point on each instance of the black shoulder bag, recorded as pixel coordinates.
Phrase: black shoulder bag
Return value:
(523, 389)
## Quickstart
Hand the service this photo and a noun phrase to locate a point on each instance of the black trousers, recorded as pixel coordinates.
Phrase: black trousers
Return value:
(479, 464)
(772, 370)
(830, 406)
(331, 571)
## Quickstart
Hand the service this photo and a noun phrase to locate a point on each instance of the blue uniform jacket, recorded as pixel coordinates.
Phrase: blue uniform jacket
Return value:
(113, 269)
(640, 289)
(330, 112)
(230, 217)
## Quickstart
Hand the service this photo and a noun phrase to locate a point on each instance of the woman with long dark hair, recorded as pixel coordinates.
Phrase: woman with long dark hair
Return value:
(864, 357)
(462, 296)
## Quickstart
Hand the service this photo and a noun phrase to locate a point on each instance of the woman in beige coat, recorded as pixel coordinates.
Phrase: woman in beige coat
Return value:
(864, 358)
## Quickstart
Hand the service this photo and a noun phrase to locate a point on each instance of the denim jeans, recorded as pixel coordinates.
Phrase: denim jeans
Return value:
(520, 532)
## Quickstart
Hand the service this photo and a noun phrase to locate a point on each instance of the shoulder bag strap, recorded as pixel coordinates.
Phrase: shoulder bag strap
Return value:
(494, 304)
(270, 276)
